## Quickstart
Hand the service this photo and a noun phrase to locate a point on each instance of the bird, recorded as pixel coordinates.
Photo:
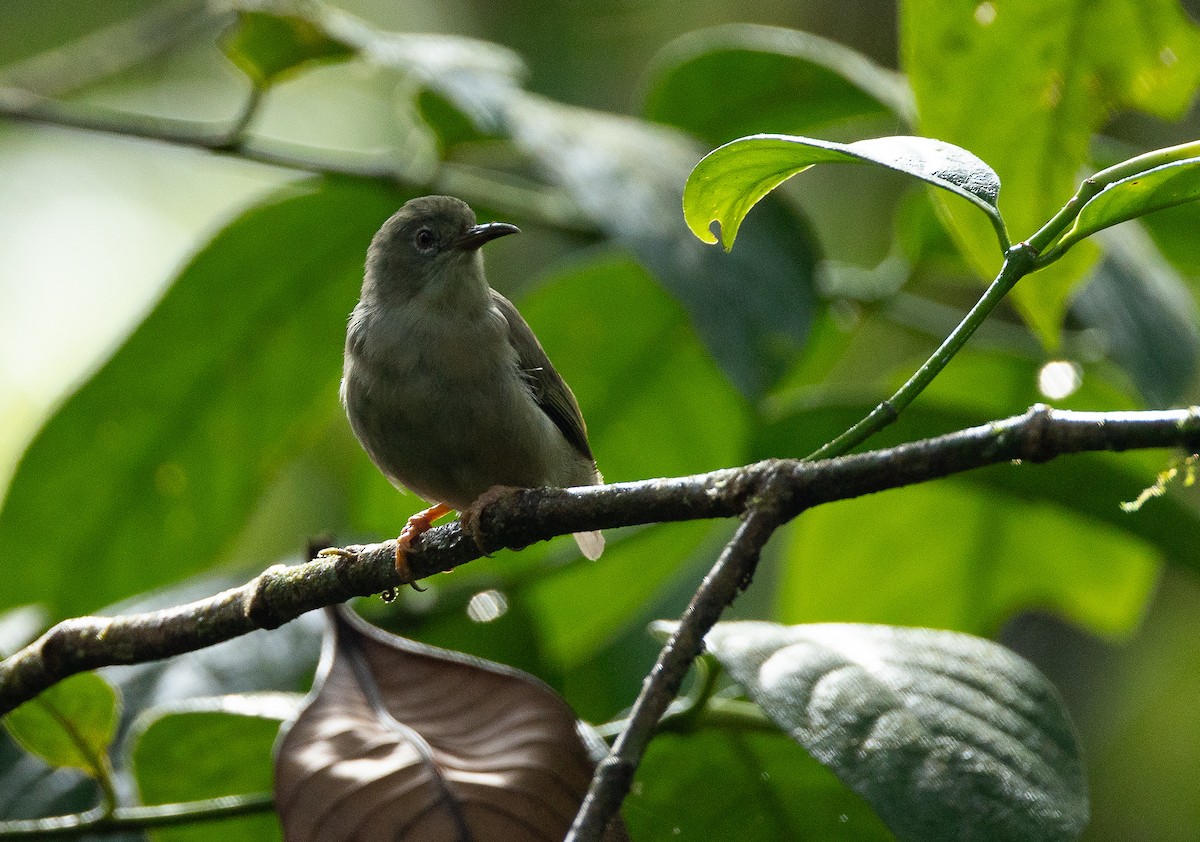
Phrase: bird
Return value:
(445, 385)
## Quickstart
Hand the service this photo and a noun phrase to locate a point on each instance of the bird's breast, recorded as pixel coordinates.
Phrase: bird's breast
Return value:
(441, 408)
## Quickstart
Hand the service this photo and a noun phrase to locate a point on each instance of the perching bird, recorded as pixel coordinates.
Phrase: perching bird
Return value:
(445, 385)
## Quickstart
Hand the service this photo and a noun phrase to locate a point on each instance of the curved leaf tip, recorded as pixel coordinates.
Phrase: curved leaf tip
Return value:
(733, 178)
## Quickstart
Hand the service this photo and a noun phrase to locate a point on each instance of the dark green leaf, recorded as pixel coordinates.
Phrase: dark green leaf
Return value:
(269, 44)
(1146, 315)
(741, 79)
(150, 469)
(733, 178)
(947, 736)
(70, 724)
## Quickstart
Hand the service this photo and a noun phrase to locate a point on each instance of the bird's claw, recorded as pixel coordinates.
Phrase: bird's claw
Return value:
(417, 525)
(468, 518)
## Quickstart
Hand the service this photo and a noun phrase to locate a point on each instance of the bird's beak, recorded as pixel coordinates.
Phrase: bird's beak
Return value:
(477, 235)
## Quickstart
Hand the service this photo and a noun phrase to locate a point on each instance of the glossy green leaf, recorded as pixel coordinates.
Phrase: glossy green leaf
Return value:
(733, 178)
(70, 724)
(1024, 84)
(741, 79)
(210, 748)
(269, 44)
(147, 472)
(1158, 188)
(752, 787)
(947, 736)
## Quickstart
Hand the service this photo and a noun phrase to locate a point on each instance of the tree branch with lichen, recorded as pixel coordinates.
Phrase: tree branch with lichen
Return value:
(524, 516)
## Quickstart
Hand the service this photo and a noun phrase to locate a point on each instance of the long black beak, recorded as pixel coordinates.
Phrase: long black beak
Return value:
(477, 235)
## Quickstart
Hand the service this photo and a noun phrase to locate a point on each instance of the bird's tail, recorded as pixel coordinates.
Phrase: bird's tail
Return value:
(591, 544)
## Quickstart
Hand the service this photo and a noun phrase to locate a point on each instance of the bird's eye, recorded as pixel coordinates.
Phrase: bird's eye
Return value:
(425, 239)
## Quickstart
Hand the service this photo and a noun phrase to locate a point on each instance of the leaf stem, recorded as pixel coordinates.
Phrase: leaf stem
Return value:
(1019, 260)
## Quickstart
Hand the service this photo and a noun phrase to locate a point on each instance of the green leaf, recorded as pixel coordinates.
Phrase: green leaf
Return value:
(1024, 84)
(656, 405)
(749, 787)
(147, 472)
(767, 79)
(71, 724)
(1162, 187)
(210, 748)
(947, 736)
(269, 45)
(733, 178)
(991, 556)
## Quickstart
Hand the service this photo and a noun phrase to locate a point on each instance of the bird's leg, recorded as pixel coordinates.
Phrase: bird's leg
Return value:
(417, 525)
(469, 517)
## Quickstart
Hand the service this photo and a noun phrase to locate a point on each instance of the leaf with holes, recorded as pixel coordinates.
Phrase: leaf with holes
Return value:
(733, 178)
(71, 724)
(947, 736)
(400, 740)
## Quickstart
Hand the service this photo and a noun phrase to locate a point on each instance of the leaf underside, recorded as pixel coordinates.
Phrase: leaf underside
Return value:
(404, 741)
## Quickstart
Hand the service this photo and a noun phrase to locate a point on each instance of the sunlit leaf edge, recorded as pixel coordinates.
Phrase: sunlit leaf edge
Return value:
(709, 196)
(1108, 208)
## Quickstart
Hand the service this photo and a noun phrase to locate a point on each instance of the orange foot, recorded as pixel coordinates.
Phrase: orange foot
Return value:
(417, 525)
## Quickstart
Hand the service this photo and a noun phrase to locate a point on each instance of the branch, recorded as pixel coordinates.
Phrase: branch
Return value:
(732, 572)
(535, 202)
(524, 516)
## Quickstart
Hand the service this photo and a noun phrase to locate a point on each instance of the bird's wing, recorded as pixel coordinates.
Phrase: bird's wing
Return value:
(551, 392)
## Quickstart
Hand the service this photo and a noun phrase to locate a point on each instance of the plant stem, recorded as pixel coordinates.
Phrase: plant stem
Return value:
(1018, 262)
(133, 818)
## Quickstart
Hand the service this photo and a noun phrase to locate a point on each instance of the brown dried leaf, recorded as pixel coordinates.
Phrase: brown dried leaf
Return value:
(400, 740)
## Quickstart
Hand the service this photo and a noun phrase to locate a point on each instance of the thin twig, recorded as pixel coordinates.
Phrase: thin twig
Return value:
(533, 202)
(523, 517)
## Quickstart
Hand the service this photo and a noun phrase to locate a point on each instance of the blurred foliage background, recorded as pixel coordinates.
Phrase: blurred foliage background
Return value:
(185, 309)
